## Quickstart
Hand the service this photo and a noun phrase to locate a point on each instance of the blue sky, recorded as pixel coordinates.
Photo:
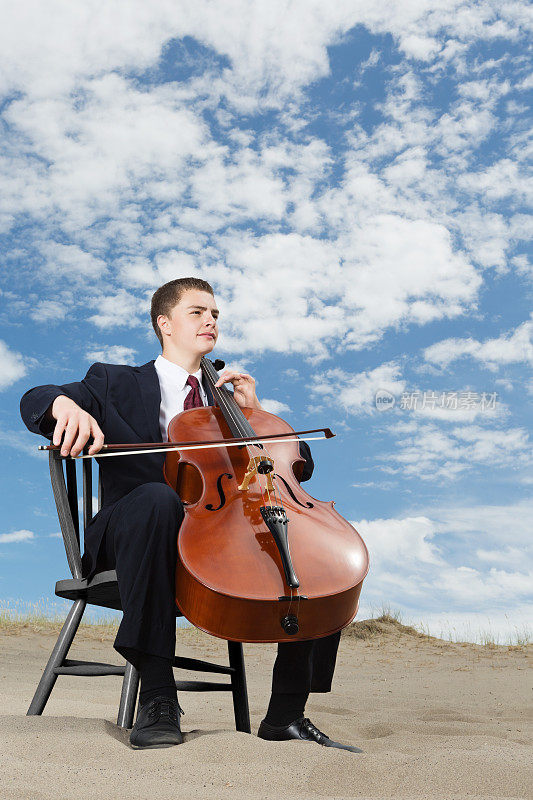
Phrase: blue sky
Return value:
(353, 182)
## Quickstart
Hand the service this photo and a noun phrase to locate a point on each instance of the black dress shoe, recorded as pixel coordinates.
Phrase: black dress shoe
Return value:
(157, 724)
(301, 728)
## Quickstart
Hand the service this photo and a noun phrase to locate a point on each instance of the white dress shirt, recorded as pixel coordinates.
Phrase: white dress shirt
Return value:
(174, 390)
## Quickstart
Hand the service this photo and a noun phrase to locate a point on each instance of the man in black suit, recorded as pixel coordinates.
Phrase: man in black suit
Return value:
(135, 531)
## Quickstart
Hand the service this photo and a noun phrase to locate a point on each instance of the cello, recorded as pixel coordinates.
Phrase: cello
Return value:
(259, 559)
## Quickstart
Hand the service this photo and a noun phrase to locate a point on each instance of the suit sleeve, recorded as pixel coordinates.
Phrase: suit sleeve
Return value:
(309, 465)
(89, 394)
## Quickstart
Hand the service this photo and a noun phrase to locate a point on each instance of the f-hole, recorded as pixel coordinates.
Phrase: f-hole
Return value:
(307, 505)
(220, 490)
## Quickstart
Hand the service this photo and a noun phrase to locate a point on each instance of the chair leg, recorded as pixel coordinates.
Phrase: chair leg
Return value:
(238, 687)
(59, 653)
(128, 697)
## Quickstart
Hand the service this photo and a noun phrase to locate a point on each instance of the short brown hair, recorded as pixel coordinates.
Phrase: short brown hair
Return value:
(169, 295)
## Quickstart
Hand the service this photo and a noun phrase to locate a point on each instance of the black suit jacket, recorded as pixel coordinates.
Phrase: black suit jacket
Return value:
(125, 402)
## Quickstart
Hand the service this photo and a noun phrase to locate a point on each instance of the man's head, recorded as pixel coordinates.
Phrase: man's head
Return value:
(184, 316)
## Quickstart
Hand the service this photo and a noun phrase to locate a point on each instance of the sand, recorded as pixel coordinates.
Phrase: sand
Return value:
(435, 720)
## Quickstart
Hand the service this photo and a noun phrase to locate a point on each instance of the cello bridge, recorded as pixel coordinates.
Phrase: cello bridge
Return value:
(258, 465)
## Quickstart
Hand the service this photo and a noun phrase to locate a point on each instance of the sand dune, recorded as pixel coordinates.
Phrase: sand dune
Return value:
(435, 720)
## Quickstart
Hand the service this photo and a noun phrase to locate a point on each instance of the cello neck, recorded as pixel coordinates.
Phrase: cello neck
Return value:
(237, 422)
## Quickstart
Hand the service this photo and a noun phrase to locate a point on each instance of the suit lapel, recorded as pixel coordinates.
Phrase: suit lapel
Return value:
(151, 397)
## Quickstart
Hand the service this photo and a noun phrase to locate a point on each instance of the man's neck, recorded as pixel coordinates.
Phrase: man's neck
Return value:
(189, 362)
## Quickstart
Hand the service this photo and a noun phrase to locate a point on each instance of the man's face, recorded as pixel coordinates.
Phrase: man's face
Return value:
(192, 323)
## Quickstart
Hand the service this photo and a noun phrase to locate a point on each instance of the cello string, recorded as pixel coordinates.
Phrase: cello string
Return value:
(243, 426)
(236, 415)
(222, 395)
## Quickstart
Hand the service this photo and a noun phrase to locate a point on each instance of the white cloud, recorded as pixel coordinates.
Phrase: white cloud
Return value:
(99, 151)
(421, 48)
(48, 311)
(485, 89)
(503, 179)
(172, 264)
(379, 271)
(12, 366)
(505, 383)
(292, 374)
(356, 393)
(16, 536)
(118, 310)
(71, 262)
(372, 60)
(487, 235)
(523, 265)
(244, 187)
(400, 541)
(507, 557)
(495, 531)
(374, 485)
(22, 441)
(282, 47)
(112, 354)
(513, 347)
(349, 242)
(472, 563)
(404, 271)
(275, 406)
(425, 451)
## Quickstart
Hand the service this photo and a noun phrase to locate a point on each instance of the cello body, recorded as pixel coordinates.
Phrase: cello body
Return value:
(230, 579)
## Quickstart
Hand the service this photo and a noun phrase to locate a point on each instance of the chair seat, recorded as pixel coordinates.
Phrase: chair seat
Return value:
(100, 590)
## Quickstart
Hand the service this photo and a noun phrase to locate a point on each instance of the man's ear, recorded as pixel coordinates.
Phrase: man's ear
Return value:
(164, 324)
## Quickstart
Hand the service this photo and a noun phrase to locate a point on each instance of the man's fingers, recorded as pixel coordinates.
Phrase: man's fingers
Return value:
(230, 376)
(76, 430)
(58, 430)
(98, 442)
(84, 432)
(222, 379)
(70, 433)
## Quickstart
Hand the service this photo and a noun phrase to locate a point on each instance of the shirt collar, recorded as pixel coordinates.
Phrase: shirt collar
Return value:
(175, 372)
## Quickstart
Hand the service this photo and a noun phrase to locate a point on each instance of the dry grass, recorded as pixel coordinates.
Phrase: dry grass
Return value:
(389, 624)
(384, 625)
(48, 617)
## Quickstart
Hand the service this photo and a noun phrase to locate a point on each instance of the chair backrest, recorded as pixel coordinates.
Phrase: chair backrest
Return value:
(65, 488)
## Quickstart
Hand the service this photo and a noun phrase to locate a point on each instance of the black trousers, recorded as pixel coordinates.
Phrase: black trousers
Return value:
(140, 543)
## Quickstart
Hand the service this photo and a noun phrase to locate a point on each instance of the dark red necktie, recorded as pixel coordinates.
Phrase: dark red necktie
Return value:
(193, 399)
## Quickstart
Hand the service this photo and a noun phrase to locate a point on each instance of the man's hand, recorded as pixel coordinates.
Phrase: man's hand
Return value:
(243, 388)
(78, 426)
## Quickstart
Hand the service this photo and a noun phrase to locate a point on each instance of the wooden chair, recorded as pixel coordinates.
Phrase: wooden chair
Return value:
(102, 590)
